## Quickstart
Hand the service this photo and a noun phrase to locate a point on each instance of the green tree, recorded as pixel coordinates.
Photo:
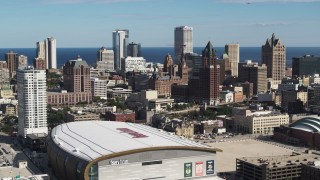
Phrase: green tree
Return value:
(10, 120)
(7, 129)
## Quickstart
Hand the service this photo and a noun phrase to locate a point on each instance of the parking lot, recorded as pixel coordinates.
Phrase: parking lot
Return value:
(12, 153)
(224, 138)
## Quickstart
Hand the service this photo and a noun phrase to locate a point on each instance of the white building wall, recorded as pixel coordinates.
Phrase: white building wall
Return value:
(227, 96)
(233, 51)
(169, 168)
(105, 60)
(130, 64)
(41, 50)
(260, 124)
(21, 62)
(99, 88)
(32, 101)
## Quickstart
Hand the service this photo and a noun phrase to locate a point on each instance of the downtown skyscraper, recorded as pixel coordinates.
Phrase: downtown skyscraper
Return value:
(233, 51)
(183, 41)
(47, 51)
(120, 42)
(32, 101)
(10, 58)
(105, 59)
(51, 53)
(274, 56)
(204, 84)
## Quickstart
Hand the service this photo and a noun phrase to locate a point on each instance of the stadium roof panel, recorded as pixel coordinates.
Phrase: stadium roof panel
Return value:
(93, 139)
(311, 124)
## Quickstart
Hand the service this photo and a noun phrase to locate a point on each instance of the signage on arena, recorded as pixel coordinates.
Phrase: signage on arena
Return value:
(134, 134)
(199, 169)
(188, 169)
(119, 162)
(210, 167)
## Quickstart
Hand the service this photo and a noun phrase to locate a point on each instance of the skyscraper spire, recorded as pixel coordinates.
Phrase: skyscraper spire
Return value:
(208, 55)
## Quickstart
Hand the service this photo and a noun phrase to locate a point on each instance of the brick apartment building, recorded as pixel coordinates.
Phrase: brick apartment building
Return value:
(121, 117)
(77, 85)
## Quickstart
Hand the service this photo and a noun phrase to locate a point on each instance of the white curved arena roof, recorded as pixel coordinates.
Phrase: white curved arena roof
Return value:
(93, 139)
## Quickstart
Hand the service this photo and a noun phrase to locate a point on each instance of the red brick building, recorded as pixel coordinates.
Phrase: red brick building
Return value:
(39, 63)
(67, 98)
(77, 85)
(121, 117)
(76, 76)
(204, 87)
(10, 58)
(163, 82)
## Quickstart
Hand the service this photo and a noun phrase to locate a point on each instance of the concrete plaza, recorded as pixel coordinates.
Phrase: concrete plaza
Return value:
(226, 160)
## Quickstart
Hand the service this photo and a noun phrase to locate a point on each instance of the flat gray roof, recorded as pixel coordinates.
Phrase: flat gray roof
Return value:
(281, 161)
(89, 140)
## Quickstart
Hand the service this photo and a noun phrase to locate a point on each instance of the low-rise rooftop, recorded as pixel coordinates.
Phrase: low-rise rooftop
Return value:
(284, 160)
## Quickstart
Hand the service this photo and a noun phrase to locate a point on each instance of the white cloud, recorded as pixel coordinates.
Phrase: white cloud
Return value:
(271, 24)
(264, 1)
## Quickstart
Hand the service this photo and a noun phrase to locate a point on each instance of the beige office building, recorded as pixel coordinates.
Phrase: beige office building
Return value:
(258, 122)
(274, 56)
(252, 72)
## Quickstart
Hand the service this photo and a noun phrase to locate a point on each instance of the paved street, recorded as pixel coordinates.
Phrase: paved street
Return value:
(226, 160)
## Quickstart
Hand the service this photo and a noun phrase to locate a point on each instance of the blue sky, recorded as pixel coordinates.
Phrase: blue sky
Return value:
(89, 23)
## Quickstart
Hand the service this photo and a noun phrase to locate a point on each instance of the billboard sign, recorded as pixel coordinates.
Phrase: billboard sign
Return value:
(188, 169)
(210, 167)
(199, 169)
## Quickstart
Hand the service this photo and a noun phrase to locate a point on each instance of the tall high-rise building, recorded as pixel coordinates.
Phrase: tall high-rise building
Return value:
(205, 86)
(274, 56)
(76, 76)
(253, 73)
(183, 41)
(134, 49)
(233, 51)
(21, 62)
(47, 50)
(10, 58)
(4, 72)
(105, 59)
(32, 101)
(51, 53)
(120, 44)
(41, 49)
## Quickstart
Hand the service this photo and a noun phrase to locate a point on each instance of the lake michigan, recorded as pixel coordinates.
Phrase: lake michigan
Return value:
(157, 54)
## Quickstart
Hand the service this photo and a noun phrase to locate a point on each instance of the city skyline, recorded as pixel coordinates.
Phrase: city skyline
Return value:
(89, 23)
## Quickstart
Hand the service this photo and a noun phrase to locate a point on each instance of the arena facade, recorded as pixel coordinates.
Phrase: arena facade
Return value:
(91, 150)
